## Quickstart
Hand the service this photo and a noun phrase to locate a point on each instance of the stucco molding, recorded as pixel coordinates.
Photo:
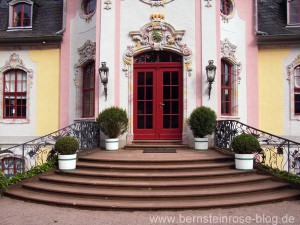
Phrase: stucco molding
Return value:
(159, 36)
(228, 52)
(226, 18)
(208, 3)
(157, 2)
(87, 53)
(86, 17)
(15, 63)
(291, 67)
(107, 4)
(291, 79)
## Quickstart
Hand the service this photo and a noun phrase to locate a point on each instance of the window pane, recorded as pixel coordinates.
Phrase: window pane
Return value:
(175, 123)
(149, 93)
(141, 78)
(140, 108)
(140, 122)
(149, 78)
(175, 78)
(167, 78)
(167, 107)
(149, 120)
(175, 107)
(166, 92)
(297, 82)
(149, 107)
(166, 121)
(141, 95)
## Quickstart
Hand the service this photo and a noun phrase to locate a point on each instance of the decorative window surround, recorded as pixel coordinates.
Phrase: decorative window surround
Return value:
(226, 18)
(157, 35)
(82, 12)
(87, 53)
(11, 26)
(291, 79)
(228, 54)
(13, 63)
(156, 2)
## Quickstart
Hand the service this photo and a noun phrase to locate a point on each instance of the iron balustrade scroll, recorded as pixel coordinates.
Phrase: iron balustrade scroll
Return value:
(277, 152)
(20, 158)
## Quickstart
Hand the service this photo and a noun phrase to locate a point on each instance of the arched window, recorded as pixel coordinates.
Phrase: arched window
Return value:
(226, 88)
(88, 90)
(297, 91)
(21, 15)
(15, 94)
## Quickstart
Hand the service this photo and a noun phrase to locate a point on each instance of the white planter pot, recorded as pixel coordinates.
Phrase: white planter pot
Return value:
(112, 144)
(201, 143)
(244, 161)
(67, 162)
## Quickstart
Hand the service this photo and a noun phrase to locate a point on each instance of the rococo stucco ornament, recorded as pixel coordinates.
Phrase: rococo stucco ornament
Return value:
(86, 53)
(157, 2)
(107, 4)
(208, 4)
(158, 35)
(228, 52)
(291, 67)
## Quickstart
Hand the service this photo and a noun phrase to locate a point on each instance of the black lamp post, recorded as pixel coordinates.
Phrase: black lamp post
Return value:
(103, 72)
(210, 73)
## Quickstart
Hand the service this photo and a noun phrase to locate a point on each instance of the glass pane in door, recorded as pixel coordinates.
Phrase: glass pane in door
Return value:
(144, 100)
(170, 100)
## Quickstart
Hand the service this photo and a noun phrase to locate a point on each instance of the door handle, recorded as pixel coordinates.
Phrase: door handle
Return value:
(161, 104)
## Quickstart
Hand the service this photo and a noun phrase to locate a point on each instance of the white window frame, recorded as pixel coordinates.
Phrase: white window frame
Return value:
(291, 78)
(14, 63)
(11, 12)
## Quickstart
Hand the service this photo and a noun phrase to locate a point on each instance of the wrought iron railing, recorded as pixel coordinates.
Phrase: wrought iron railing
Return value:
(20, 158)
(277, 152)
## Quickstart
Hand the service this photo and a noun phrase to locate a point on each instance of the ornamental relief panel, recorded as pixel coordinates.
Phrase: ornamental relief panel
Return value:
(156, 2)
(228, 52)
(290, 68)
(158, 35)
(86, 53)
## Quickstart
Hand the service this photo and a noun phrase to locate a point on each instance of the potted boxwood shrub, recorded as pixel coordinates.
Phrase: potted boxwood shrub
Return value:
(66, 148)
(244, 146)
(202, 122)
(113, 122)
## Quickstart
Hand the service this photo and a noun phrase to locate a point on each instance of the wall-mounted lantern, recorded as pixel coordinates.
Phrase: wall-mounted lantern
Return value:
(210, 73)
(103, 72)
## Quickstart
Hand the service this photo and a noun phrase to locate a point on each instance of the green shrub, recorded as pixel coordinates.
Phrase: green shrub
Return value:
(66, 145)
(202, 121)
(245, 144)
(3, 181)
(113, 122)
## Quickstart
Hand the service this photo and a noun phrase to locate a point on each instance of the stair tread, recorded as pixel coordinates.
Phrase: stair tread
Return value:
(152, 182)
(154, 203)
(149, 192)
(111, 165)
(153, 174)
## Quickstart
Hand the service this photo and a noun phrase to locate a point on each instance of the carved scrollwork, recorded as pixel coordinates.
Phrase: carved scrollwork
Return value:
(86, 53)
(158, 35)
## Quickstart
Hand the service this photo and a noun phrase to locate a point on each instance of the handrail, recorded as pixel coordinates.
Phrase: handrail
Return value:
(278, 152)
(38, 151)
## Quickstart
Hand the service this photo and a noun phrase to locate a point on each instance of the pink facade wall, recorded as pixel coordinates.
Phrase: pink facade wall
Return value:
(246, 12)
(65, 67)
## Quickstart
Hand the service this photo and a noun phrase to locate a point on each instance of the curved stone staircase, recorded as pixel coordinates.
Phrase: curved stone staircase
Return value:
(153, 181)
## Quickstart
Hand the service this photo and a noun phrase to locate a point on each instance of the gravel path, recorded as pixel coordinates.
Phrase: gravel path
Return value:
(13, 212)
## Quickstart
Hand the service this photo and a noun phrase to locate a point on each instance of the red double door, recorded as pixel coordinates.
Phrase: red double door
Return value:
(158, 101)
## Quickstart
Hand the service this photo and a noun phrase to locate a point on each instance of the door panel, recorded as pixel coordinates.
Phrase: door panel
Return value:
(158, 103)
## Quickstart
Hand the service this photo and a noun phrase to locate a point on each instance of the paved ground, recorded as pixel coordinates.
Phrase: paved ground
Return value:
(13, 212)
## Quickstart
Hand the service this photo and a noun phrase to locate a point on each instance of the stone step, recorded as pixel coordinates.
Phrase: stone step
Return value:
(153, 183)
(161, 142)
(196, 191)
(153, 166)
(154, 203)
(163, 174)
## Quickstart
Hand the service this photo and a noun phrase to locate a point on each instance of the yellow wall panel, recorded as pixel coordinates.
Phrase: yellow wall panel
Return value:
(47, 97)
(271, 93)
